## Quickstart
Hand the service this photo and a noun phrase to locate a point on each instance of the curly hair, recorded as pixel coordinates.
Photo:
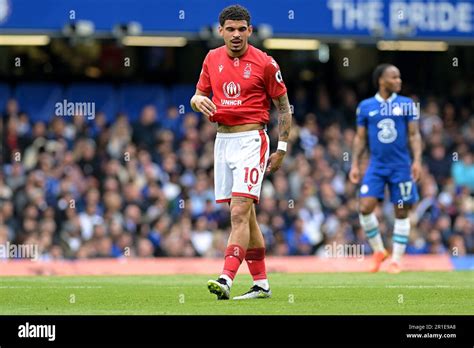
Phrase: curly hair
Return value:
(235, 13)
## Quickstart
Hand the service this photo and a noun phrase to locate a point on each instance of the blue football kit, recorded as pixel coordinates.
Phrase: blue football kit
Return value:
(386, 122)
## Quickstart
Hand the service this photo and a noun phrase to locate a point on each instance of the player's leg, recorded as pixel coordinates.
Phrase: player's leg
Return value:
(249, 164)
(370, 225)
(246, 154)
(401, 232)
(240, 208)
(223, 193)
(372, 190)
(255, 258)
(403, 194)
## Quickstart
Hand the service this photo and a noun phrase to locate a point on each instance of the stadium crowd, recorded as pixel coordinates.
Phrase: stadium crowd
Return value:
(84, 188)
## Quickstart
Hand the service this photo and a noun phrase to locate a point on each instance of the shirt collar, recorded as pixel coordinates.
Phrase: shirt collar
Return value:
(242, 56)
(381, 100)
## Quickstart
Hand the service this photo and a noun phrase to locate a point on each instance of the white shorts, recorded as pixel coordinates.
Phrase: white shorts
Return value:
(240, 161)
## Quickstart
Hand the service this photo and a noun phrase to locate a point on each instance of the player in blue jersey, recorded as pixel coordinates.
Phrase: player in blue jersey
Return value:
(389, 122)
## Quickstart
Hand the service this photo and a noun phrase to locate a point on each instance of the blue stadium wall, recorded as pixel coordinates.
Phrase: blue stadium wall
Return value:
(441, 19)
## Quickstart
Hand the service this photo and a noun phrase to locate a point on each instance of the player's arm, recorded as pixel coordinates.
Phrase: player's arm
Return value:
(358, 148)
(284, 127)
(414, 138)
(200, 102)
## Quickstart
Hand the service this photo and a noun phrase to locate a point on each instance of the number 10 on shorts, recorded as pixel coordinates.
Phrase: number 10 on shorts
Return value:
(253, 175)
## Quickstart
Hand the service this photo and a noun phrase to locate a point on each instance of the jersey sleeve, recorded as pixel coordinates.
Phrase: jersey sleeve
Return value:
(274, 84)
(361, 116)
(204, 83)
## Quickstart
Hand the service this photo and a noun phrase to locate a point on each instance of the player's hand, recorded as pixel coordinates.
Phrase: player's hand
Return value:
(205, 105)
(354, 174)
(275, 160)
(416, 170)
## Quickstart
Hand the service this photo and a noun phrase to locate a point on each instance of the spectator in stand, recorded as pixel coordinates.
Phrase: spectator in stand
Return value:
(463, 171)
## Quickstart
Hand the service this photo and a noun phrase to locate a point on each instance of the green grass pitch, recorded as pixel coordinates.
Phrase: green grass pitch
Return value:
(443, 293)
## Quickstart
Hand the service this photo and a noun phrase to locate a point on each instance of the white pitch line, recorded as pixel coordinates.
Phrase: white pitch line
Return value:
(50, 287)
(427, 286)
(387, 286)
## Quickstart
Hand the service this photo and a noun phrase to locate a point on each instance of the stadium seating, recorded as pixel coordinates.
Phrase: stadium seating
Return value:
(103, 95)
(38, 99)
(132, 98)
(5, 93)
(180, 94)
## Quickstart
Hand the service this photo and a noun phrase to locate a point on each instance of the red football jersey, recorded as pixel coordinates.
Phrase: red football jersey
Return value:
(241, 87)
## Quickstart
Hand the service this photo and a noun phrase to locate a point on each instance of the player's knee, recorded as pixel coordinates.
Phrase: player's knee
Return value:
(401, 213)
(366, 209)
(367, 206)
(239, 214)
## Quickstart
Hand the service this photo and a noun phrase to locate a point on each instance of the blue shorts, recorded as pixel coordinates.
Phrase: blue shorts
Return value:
(401, 186)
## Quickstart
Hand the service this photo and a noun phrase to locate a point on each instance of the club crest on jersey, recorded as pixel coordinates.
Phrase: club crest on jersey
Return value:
(231, 89)
(221, 67)
(247, 71)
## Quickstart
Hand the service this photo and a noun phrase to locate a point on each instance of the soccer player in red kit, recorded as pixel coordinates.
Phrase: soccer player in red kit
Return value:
(242, 80)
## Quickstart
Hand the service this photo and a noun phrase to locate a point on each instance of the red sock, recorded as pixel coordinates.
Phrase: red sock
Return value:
(255, 258)
(234, 255)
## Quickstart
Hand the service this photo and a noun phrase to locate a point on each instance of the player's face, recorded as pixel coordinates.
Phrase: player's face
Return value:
(236, 35)
(391, 80)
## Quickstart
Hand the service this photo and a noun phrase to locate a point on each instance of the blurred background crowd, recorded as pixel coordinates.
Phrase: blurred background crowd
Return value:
(85, 188)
